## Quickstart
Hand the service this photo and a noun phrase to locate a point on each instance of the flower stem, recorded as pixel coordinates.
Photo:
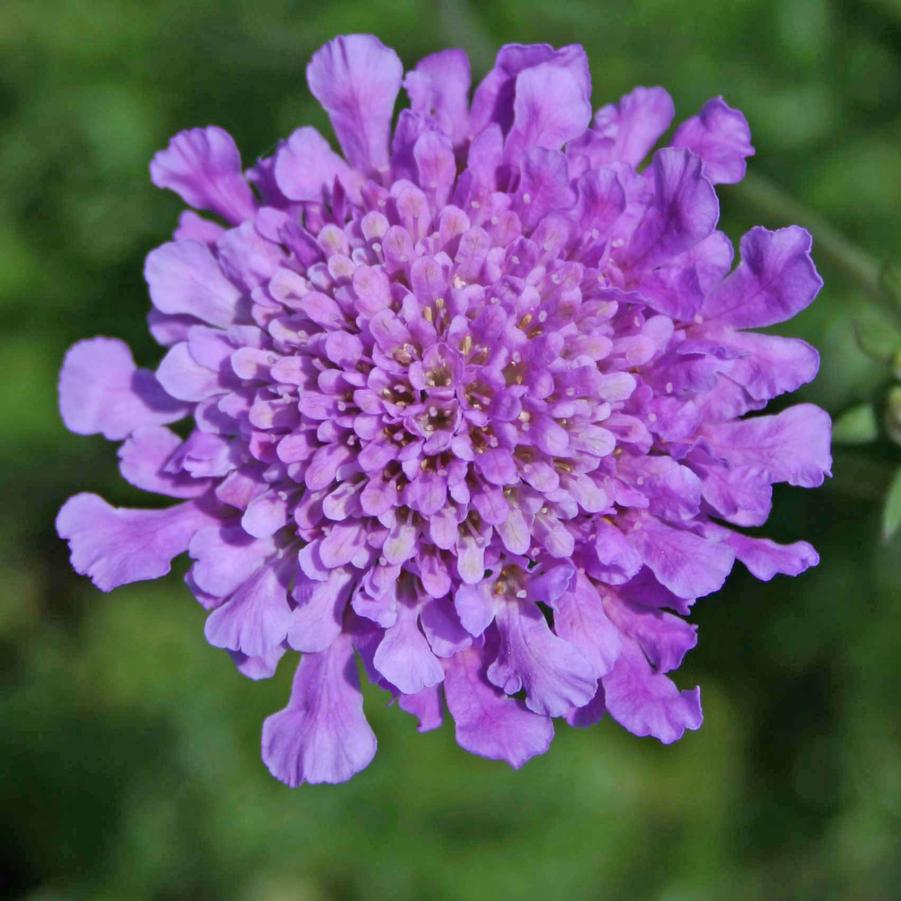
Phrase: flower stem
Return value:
(852, 261)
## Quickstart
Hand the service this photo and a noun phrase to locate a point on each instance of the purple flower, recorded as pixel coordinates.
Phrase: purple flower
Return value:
(467, 400)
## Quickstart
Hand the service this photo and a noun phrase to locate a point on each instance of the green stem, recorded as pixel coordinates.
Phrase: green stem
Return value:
(854, 262)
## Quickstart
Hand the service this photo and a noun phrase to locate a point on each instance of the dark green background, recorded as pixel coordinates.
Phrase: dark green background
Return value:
(129, 762)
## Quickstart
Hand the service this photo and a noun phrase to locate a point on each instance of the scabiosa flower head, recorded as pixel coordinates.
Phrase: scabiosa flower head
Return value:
(468, 400)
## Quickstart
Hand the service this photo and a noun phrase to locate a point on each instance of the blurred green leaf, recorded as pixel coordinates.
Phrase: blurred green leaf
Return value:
(890, 278)
(856, 426)
(877, 338)
(891, 512)
(893, 414)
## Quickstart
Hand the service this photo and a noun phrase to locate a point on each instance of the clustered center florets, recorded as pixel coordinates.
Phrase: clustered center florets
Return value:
(457, 374)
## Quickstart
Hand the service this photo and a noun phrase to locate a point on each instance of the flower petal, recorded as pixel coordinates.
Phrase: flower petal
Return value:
(687, 564)
(580, 619)
(792, 446)
(203, 166)
(629, 128)
(255, 619)
(765, 558)
(306, 166)
(101, 390)
(683, 211)
(256, 668)
(438, 89)
(224, 557)
(142, 459)
(316, 621)
(115, 545)
(550, 107)
(775, 280)
(425, 705)
(322, 735)
(647, 703)
(356, 79)
(487, 722)
(404, 657)
(554, 673)
(184, 277)
(721, 136)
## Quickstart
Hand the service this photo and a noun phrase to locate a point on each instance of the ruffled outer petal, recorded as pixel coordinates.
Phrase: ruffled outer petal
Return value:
(255, 619)
(438, 89)
(687, 564)
(356, 78)
(793, 446)
(257, 668)
(184, 277)
(322, 735)
(764, 365)
(683, 210)
(647, 703)
(225, 556)
(203, 166)
(765, 558)
(550, 108)
(775, 280)
(404, 657)
(493, 100)
(425, 705)
(115, 546)
(627, 130)
(305, 166)
(554, 673)
(316, 621)
(101, 390)
(721, 136)
(142, 459)
(488, 722)
(580, 619)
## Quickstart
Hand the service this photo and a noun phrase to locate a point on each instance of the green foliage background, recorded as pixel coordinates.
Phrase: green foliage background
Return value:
(129, 763)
